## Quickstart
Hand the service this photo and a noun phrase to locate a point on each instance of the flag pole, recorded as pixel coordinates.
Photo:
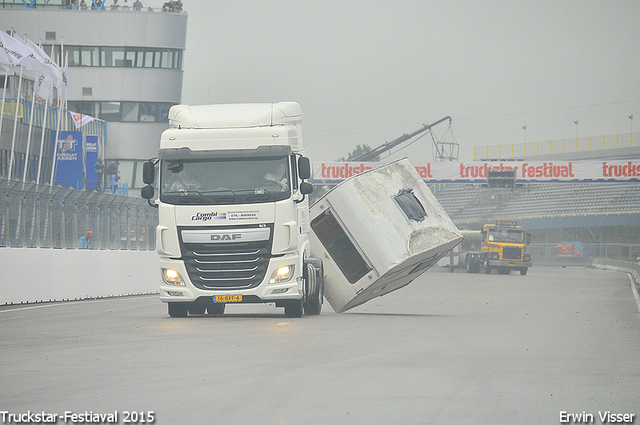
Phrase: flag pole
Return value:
(4, 92)
(33, 108)
(44, 126)
(61, 104)
(15, 124)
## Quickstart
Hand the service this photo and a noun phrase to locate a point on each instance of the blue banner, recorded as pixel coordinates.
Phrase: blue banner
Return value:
(68, 157)
(92, 152)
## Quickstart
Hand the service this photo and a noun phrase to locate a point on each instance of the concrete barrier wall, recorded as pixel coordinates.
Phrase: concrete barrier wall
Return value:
(622, 266)
(29, 275)
(35, 275)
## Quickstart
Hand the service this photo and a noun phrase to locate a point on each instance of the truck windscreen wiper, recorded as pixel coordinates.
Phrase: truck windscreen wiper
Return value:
(191, 197)
(222, 196)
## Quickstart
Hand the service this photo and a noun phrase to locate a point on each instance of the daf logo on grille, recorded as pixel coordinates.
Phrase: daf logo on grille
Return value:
(226, 237)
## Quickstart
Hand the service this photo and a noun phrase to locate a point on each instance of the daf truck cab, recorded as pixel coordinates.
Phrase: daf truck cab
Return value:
(233, 210)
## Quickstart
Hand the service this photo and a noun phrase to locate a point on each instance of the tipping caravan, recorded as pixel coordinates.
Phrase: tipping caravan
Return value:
(233, 210)
(235, 224)
(377, 232)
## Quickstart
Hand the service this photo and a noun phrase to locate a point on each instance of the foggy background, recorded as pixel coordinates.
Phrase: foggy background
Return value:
(369, 71)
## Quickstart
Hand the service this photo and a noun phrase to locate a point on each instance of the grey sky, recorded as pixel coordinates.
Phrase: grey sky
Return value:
(369, 71)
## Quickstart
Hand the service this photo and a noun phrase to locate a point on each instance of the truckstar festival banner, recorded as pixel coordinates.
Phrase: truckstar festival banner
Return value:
(476, 171)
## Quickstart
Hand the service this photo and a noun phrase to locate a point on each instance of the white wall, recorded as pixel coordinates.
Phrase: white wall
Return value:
(34, 275)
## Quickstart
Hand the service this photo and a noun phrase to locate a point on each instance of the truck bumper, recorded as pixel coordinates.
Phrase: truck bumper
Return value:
(265, 292)
(510, 263)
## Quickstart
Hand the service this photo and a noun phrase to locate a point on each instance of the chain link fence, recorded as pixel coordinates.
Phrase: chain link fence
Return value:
(39, 216)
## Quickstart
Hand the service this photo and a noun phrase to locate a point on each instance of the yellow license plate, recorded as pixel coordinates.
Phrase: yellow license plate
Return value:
(227, 298)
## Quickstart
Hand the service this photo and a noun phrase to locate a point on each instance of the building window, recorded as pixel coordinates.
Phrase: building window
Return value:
(123, 111)
(120, 57)
(73, 55)
(90, 56)
(130, 111)
(110, 111)
(86, 108)
(113, 57)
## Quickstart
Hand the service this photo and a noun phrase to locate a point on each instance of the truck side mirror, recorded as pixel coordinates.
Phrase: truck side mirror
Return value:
(147, 192)
(148, 173)
(304, 168)
(528, 238)
(306, 188)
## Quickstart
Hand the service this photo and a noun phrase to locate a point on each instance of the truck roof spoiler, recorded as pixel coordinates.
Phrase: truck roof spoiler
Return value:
(260, 152)
(239, 115)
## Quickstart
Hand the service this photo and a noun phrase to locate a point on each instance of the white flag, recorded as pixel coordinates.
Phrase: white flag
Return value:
(80, 119)
(44, 87)
(61, 85)
(5, 60)
(21, 54)
(44, 82)
(43, 58)
(9, 56)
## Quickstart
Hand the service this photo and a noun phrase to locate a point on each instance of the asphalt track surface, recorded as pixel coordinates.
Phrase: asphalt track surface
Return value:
(450, 348)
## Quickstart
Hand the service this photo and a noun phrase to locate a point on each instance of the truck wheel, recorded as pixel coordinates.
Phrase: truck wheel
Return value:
(472, 268)
(314, 287)
(487, 268)
(293, 308)
(178, 309)
(523, 271)
(196, 308)
(215, 308)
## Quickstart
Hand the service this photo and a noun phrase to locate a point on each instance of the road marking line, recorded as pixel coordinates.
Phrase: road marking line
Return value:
(635, 290)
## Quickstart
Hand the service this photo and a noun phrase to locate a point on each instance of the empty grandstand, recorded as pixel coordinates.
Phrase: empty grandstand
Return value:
(602, 217)
(544, 205)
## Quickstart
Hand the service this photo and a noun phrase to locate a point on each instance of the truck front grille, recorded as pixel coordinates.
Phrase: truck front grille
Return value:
(222, 266)
(511, 253)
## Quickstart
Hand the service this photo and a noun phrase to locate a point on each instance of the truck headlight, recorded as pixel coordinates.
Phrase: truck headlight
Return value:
(526, 257)
(494, 256)
(172, 277)
(282, 274)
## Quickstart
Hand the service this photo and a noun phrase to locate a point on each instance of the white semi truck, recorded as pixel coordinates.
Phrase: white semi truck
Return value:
(233, 210)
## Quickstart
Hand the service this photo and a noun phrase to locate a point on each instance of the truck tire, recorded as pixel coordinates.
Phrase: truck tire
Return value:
(197, 308)
(487, 267)
(215, 308)
(293, 308)
(504, 270)
(523, 271)
(178, 309)
(472, 268)
(314, 286)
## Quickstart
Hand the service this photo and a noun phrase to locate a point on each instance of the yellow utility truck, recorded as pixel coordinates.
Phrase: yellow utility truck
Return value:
(500, 246)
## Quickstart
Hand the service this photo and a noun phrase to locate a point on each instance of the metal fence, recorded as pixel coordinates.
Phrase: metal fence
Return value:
(40, 216)
(558, 146)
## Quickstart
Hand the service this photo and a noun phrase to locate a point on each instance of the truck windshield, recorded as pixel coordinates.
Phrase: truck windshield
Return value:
(224, 181)
(506, 235)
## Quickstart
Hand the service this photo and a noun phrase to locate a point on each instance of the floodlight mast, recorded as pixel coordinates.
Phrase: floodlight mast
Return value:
(387, 146)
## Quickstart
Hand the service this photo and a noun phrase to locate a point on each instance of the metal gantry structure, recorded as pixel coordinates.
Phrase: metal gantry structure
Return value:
(387, 146)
